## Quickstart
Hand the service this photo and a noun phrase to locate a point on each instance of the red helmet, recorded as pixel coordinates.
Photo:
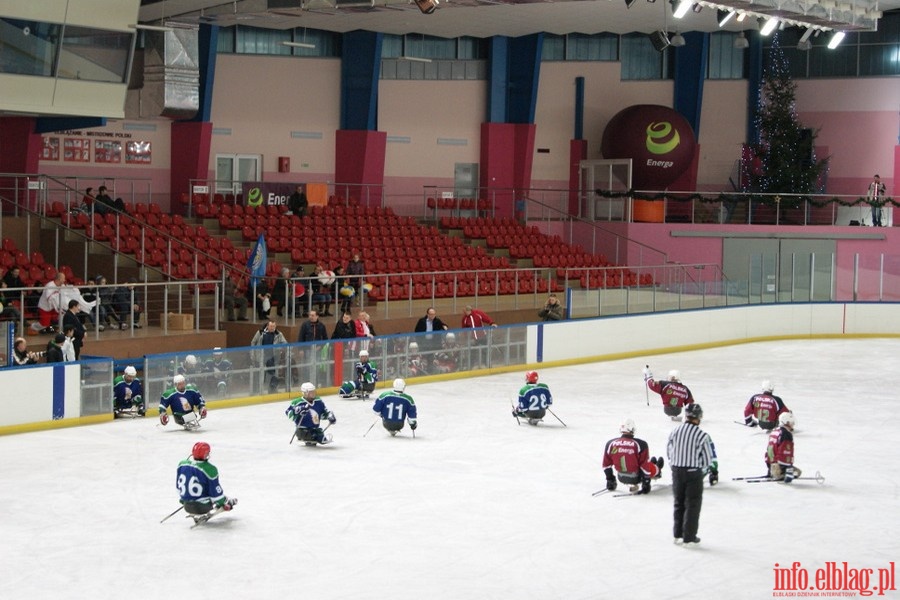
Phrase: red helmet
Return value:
(200, 451)
(531, 377)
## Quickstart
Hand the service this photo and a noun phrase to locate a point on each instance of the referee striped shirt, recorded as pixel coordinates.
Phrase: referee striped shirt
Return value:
(690, 447)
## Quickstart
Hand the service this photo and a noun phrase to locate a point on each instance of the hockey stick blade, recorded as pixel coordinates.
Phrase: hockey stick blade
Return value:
(557, 418)
(741, 423)
(172, 514)
(818, 478)
(750, 478)
(599, 493)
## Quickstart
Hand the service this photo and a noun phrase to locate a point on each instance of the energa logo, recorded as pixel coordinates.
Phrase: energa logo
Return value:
(662, 138)
(254, 197)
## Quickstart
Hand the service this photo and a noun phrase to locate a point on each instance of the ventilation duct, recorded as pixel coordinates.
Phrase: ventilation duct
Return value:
(171, 74)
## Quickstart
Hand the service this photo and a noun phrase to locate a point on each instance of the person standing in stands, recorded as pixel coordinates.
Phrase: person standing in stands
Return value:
(70, 319)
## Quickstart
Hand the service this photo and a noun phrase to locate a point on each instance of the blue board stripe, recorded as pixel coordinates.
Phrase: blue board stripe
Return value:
(59, 392)
(540, 343)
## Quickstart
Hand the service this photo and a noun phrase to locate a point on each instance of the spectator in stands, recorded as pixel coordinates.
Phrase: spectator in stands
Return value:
(345, 291)
(268, 336)
(87, 200)
(70, 292)
(553, 310)
(476, 320)
(345, 328)
(106, 296)
(262, 298)
(233, 298)
(297, 202)
(119, 205)
(49, 307)
(54, 349)
(13, 279)
(128, 301)
(68, 345)
(356, 269)
(312, 330)
(103, 204)
(70, 319)
(7, 310)
(282, 290)
(430, 323)
(301, 292)
(21, 355)
(364, 328)
(321, 289)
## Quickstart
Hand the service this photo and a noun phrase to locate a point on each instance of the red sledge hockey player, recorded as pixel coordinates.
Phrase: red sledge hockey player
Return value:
(674, 394)
(764, 408)
(630, 457)
(780, 453)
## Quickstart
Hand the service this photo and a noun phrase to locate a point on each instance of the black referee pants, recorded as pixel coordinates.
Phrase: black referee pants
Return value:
(687, 487)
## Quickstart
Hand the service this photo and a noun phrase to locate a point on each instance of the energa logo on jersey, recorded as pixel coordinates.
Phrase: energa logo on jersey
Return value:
(662, 138)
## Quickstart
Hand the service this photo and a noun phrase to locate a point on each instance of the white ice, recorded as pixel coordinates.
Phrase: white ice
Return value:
(475, 507)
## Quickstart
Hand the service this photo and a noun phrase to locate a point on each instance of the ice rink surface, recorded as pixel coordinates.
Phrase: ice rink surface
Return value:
(475, 507)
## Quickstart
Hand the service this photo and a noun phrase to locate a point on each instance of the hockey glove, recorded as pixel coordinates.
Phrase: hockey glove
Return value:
(413, 424)
(647, 374)
(229, 504)
(789, 474)
(203, 413)
(713, 477)
(610, 479)
(749, 422)
(332, 419)
(164, 419)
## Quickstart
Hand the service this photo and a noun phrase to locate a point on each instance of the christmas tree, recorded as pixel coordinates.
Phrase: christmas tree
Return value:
(786, 163)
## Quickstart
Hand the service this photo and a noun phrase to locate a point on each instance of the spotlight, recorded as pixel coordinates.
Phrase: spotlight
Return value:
(697, 8)
(683, 7)
(741, 42)
(724, 16)
(804, 45)
(836, 39)
(677, 40)
(741, 17)
(427, 6)
(651, 1)
(769, 27)
(806, 34)
(659, 39)
(628, 3)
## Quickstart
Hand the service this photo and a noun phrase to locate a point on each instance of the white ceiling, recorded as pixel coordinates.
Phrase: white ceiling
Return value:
(454, 18)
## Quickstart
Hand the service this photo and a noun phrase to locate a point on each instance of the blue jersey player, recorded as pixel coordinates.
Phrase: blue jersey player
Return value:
(366, 375)
(185, 402)
(198, 485)
(396, 407)
(307, 413)
(534, 398)
(128, 394)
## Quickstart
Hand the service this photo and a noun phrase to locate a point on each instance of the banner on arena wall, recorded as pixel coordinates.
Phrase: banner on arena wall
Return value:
(260, 193)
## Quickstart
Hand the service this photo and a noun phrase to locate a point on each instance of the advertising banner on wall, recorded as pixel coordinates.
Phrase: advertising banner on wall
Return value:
(260, 193)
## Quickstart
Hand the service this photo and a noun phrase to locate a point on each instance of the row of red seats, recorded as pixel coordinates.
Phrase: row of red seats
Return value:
(461, 203)
(418, 291)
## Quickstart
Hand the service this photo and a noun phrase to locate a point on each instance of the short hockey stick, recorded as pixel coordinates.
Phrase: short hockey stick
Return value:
(554, 414)
(370, 428)
(819, 478)
(172, 514)
(646, 389)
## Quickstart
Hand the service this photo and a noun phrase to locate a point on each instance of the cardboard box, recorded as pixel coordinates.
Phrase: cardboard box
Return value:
(176, 321)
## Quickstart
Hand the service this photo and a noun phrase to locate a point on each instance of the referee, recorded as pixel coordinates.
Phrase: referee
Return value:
(691, 455)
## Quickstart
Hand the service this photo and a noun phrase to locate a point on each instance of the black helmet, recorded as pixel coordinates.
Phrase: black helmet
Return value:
(693, 411)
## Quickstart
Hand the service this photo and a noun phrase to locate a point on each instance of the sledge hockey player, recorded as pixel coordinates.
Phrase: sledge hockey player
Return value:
(673, 393)
(219, 366)
(534, 398)
(366, 375)
(348, 390)
(447, 358)
(395, 407)
(418, 364)
(128, 394)
(780, 453)
(197, 481)
(763, 409)
(630, 457)
(186, 403)
(306, 412)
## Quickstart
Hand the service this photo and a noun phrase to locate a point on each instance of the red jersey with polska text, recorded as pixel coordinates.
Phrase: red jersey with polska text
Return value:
(765, 407)
(672, 393)
(781, 447)
(626, 454)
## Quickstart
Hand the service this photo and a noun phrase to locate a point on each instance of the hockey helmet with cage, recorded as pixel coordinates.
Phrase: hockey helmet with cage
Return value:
(217, 351)
(531, 377)
(200, 451)
(451, 337)
(413, 347)
(363, 354)
(178, 380)
(130, 371)
(786, 419)
(675, 375)
(307, 387)
(399, 385)
(693, 411)
(627, 426)
(190, 360)
(767, 386)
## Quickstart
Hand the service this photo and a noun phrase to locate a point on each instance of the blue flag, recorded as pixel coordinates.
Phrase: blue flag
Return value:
(256, 264)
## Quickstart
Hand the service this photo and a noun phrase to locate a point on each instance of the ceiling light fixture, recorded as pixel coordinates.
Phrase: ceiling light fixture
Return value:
(683, 7)
(677, 40)
(299, 45)
(427, 6)
(769, 27)
(142, 27)
(724, 16)
(836, 39)
(415, 59)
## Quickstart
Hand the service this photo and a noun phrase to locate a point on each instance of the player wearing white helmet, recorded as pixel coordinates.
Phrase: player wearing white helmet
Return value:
(307, 413)
(763, 409)
(630, 458)
(674, 394)
(219, 367)
(128, 395)
(534, 399)
(396, 407)
(185, 402)
(366, 375)
(780, 451)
